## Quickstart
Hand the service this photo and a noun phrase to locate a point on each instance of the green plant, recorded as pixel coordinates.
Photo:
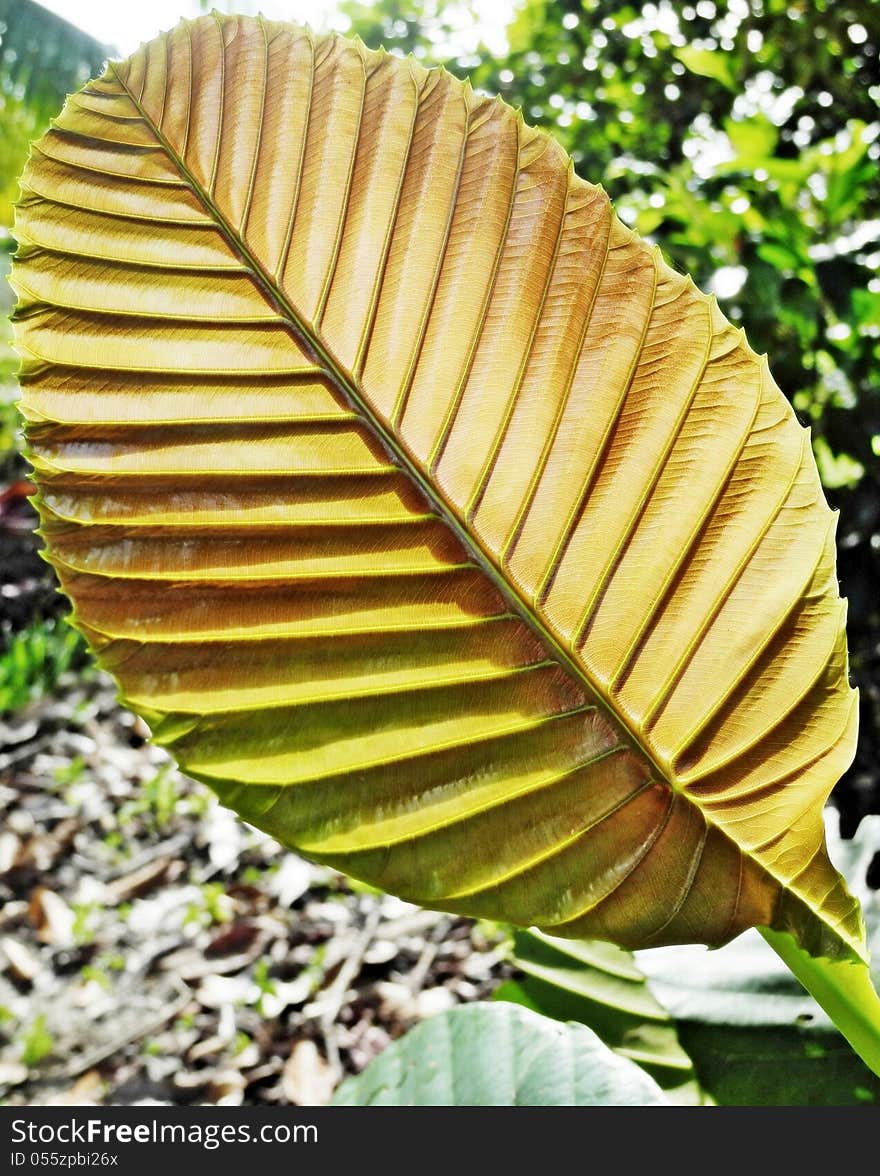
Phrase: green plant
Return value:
(84, 921)
(43, 58)
(599, 985)
(33, 659)
(36, 1041)
(157, 801)
(211, 909)
(509, 584)
(732, 1027)
(265, 984)
(69, 774)
(91, 973)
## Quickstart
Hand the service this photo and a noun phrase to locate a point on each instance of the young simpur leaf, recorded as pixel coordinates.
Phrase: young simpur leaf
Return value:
(421, 509)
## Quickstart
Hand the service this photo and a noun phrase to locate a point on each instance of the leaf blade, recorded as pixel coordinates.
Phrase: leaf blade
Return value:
(499, 1055)
(555, 505)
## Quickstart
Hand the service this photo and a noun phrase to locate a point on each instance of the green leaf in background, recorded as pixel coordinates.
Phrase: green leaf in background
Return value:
(529, 18)
(499, 1055)
(755, 1037)
(42, 59)
(753, 139)
(836, 469)
(708, 63)
(731, 1027)
(33, 659)
(598, 984)
(780, 256)
(848, 171)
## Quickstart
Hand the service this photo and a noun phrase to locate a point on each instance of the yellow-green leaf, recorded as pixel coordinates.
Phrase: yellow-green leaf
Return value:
(420, 507)
(708, 63)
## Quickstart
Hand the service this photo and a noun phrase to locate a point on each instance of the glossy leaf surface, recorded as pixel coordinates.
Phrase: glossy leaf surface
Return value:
(419, 507)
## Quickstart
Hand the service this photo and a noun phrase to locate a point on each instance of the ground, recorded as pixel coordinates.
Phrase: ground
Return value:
(155, 949)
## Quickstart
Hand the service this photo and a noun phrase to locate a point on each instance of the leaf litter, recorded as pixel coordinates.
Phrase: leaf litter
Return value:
(156, 950)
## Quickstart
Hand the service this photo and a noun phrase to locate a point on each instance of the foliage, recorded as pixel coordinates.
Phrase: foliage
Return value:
(33, 659)
(731, 1028)
(751, 1032)
(599, 985)
(36, 1042)
(626, 702)
(758, 180)
(742, 137)
(43, 58)
(491, 1055)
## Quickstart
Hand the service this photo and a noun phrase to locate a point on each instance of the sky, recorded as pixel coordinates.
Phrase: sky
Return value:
(124, 24)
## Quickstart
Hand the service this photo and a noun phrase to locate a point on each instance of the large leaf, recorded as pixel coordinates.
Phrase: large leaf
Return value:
(420, 507)
(499, 1055)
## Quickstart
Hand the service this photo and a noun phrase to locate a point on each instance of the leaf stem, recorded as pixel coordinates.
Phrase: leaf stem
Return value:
(844, 990)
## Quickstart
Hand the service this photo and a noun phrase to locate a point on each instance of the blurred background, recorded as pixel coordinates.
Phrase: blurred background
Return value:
(742, 136)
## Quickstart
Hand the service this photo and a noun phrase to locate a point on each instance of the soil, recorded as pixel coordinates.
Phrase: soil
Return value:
(157, 950)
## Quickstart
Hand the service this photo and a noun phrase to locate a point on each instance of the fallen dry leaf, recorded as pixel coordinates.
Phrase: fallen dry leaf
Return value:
(87, 1091)
(307, 1078)
(22, 962)
(52, 917)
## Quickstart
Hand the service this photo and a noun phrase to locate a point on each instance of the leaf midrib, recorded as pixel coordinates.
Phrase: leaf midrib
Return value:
(308, 338)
